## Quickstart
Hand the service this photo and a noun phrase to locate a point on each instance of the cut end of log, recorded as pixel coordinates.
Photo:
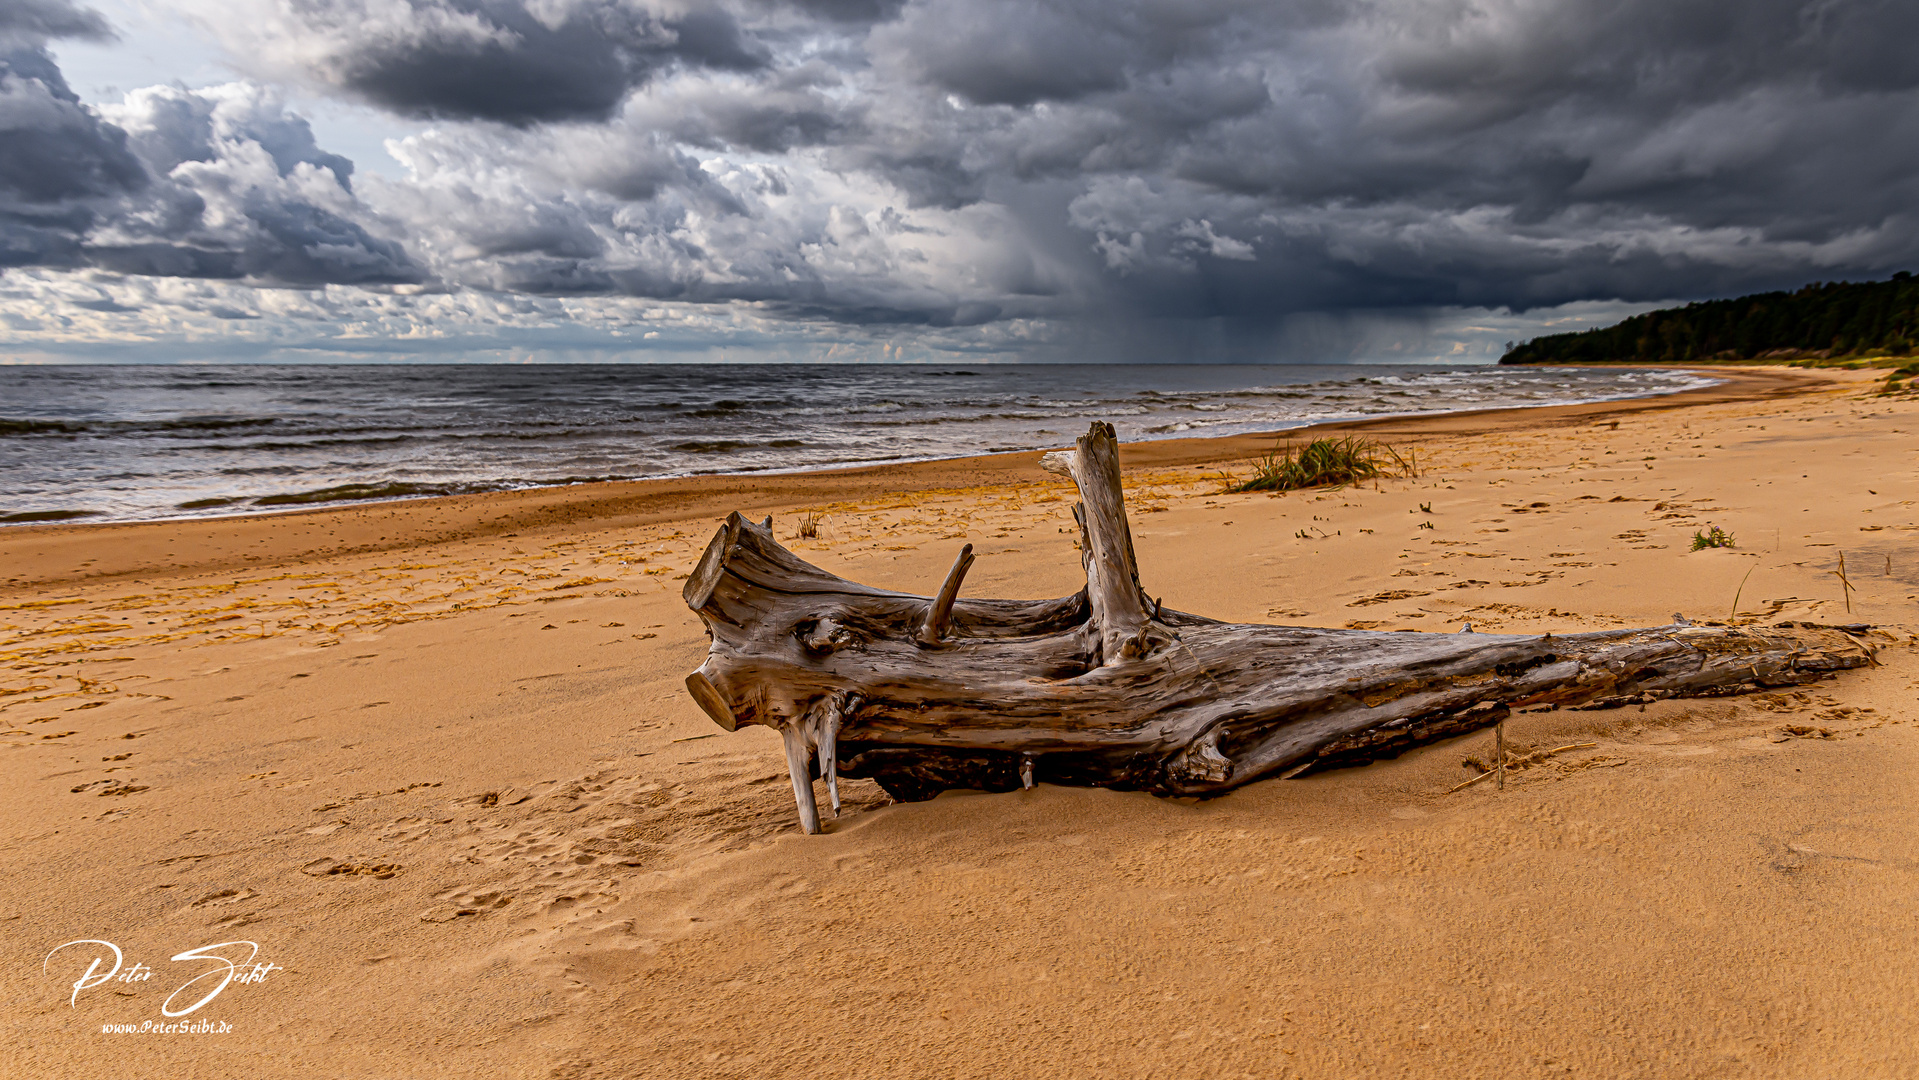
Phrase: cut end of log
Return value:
(710, 701)
(706, 573)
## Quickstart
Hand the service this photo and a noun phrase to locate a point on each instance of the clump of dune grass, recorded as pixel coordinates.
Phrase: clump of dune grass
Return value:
(1713, 537)
(1324, 462)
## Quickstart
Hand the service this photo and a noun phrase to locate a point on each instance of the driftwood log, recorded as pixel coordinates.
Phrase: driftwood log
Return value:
(1107, 688)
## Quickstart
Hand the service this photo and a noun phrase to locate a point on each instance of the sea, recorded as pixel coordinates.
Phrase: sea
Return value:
(128, 443)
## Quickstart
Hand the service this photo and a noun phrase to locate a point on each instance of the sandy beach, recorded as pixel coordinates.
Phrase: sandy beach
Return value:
(436, 759)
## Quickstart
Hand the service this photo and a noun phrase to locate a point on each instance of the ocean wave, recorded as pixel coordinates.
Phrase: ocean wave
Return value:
(39, 427)
(303, 444)
(401, 489)
(717, 446)
(129, 442)
(28, 517)
(186, 424)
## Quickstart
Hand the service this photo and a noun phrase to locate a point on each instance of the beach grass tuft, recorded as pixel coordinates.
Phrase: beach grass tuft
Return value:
(1324, 462)
(1713, 537)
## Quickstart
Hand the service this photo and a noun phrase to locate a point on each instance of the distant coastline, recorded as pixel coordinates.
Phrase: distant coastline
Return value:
(1822, 322)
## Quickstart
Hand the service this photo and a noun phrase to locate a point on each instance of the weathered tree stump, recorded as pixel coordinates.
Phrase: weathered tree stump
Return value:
(1107, 688)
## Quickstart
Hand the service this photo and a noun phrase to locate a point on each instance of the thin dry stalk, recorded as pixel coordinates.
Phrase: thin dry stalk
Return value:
(1407, 463)
(1736, 592)
(1847, 587)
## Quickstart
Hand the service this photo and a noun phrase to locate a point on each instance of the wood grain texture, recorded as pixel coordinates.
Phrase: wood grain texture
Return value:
(1107, 688)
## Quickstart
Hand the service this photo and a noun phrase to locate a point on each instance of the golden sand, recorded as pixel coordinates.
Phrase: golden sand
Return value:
(435, 759)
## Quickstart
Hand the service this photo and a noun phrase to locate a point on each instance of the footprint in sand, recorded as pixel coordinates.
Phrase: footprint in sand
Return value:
(216, 903)
(466, 902)
(337, 868)
(224, 897)
(577, 905)
(406, 830)
(503, 797)
(109, 787)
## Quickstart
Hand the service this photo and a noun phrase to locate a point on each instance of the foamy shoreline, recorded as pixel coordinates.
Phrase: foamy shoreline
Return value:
(308, 531)
(150, 448)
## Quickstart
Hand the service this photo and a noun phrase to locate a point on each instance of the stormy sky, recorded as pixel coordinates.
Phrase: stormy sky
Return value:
(929, 179)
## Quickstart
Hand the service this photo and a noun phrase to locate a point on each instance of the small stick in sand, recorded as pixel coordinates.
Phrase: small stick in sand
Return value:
(1847, 587)
(1470, 783)
(1499, 737)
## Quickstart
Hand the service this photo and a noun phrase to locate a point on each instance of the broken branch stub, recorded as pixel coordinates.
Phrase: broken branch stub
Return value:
(1107, 688)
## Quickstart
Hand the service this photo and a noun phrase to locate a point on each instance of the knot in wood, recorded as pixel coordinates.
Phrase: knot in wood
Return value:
(825, 636)
(1147, 641)
(1519, 667)
(1201, 763)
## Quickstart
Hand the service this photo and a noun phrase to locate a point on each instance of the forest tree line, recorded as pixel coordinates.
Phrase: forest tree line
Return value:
(1825, 319)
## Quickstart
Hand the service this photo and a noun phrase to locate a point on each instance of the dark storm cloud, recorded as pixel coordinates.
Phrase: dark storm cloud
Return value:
(176, 128)
(78, 190)
(56, 157)
(844, 11)
(513, 62)
(244, 191)
(1524, 154)
(1206, 169)
(41, 20)
(52, 148)
(1019, 52)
